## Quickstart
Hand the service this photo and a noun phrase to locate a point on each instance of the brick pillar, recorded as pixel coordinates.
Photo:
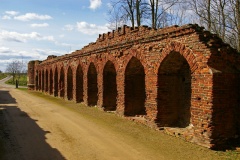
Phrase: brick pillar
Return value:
(120, 90)
(31, 75)
(100, 86)
(85, 87)
(151, 95)
(74, 84)
(65, 83)
(201, 108)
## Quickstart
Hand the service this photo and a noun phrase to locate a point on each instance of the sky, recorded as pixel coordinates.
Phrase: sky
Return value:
(34, 29)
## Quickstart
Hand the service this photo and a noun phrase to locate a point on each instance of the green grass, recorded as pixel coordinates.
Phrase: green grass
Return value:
(137, 133)
(3, 75)
(22, 81)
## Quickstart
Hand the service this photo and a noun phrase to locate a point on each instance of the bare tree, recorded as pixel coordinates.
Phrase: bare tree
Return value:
(15, 69)
(128, 11)
(159, 11)
(116, 17)
(202, 9)
(221, 17)
(233, 25)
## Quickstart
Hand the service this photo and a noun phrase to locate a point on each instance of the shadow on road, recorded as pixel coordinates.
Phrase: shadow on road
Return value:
(20, 136)
(6, 98)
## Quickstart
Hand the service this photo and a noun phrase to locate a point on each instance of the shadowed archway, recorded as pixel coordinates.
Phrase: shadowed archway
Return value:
(109, 87)
(43, 81)
(46, 87)
(79, 84)
(51, 82)
(92, 85)
(36, 81)
(62, 83)
(135, 94)
(56, 83)
(70, 84)
(40, 81)
(174, 91)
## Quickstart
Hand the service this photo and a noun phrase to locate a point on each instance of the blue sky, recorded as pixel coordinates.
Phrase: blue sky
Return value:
(34, 29)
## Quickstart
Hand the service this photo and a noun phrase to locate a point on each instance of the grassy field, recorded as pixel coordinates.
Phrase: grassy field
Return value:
(22, 81)
(3, 75)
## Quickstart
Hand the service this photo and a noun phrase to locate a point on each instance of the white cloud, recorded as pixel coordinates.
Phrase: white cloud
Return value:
(68, 27)
(4, 50)
(5, 17)
(42, 54)
(12, 13)
(32, 16)
(8, 55)
(95, 4)
(91, 29)
(23, 37)
(40, 25)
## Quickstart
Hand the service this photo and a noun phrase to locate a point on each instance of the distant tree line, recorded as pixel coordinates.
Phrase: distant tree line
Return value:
(221, 17)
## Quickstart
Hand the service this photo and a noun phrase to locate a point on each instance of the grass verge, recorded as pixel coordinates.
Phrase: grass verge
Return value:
(22, 81)
(155, 142)
(3, 75)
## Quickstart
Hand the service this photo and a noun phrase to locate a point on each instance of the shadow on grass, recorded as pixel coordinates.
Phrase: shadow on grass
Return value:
(20, 135)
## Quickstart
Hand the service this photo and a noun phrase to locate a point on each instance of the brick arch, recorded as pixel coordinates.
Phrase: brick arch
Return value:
(137, 54)
(182, 114)
(111, 58)
(174, 91)
(186, 52)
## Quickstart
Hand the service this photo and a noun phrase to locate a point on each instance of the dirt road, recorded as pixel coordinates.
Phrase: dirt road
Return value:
(38, 129)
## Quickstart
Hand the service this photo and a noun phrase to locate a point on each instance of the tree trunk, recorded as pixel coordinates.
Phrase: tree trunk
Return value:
(238, 23)
(138, 14)
(209, 15)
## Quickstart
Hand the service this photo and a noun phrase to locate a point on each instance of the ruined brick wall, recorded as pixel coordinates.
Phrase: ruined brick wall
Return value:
(182, 79)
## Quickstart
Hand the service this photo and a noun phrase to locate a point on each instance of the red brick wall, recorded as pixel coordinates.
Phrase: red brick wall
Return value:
(183, 78)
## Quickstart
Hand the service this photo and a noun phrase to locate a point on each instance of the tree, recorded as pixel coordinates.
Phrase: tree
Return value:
(116, 19)
(138, 12)
(158, 11)
(127, 11)
(15, 68)
(233, 26)
(221, 17)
